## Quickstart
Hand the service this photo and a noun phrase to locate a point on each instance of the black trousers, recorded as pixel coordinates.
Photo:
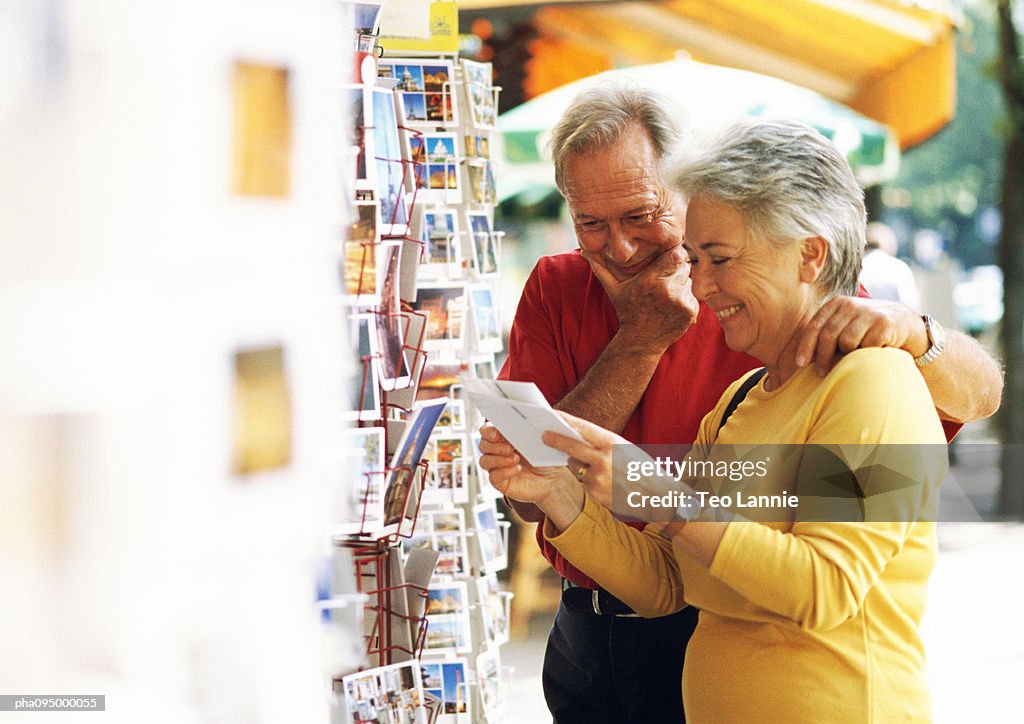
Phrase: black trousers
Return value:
(616, 670)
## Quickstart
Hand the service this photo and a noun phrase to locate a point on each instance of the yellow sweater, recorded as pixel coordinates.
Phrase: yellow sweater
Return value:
(805, 621)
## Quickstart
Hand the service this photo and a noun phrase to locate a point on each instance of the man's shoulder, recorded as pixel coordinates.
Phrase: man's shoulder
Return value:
(563, 280)
(565, 266)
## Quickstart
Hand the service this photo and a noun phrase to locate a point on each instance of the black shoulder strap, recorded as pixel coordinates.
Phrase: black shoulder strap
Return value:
(747, 386)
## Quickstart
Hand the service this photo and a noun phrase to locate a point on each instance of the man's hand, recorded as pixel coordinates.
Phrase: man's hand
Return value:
(655, 307)
(843, 324)
(965, 382)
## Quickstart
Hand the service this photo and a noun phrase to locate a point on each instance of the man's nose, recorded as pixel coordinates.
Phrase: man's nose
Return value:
(619, 247)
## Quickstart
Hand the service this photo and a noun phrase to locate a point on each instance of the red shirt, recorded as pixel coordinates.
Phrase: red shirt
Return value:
(563, 323)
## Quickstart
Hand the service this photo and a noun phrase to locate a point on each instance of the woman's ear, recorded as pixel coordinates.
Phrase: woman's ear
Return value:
(813, 253)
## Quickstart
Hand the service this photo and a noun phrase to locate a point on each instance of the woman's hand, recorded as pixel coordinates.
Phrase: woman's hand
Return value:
(589, 461)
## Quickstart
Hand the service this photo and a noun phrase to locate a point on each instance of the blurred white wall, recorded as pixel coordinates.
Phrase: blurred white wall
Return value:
(132, 562)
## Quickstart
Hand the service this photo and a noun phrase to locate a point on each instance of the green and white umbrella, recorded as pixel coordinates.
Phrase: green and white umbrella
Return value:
(709, 97)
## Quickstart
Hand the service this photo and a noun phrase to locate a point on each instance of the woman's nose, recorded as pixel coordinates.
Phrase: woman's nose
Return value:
(703, 285)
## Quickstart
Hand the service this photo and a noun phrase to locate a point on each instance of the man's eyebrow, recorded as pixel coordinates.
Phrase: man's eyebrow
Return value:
(644, 209)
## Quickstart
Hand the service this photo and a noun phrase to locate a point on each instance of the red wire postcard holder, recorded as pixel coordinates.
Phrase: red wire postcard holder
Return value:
(412, 348)
(368, 385)
(387, 600)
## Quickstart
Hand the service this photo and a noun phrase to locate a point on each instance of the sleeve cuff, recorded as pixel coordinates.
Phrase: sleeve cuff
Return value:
(580, 529)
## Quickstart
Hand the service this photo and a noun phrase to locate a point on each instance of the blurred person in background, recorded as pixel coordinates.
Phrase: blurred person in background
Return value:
(612, 333)
(884, 275)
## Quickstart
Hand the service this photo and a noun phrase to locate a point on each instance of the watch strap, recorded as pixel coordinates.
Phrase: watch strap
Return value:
(936, 341)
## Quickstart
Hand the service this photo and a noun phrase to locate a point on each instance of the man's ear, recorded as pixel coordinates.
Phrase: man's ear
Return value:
(813, 253)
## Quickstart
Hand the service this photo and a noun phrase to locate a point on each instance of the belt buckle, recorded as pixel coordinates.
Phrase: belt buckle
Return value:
(595, 601)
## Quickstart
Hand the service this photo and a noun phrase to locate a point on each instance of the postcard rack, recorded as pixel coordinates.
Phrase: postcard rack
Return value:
(418, 266)
(387, 603)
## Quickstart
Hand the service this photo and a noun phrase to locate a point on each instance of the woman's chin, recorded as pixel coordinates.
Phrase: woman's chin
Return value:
(736, 342)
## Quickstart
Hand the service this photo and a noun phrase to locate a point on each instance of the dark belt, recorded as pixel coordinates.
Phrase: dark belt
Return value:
(596, 601)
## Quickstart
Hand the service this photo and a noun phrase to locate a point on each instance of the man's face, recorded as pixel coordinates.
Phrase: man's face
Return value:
(624, 216)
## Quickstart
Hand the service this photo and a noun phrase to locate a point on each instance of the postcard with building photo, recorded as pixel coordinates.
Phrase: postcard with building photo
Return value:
(390, 164)
(412, 250)
(443, 531)
(359, 137)
(364, 402)
(447, 476)
(360, 265)
(359, 495)
(447, 679)
(448, 618)
(446, 306)
(366, 17)
(485, 259)
(480, 181)
(416, 357)
(425, 88)
(447, 598)
(385, 695)
(486, 327)
(478, 146)
(437, 168)
(442, 254)
(494, 607)
(490, 537)
(391, 323)
(418, 156)
(483, 366)
(454, 416)
(401, 493)
(480, 93)
(489, 679)
(453, 558)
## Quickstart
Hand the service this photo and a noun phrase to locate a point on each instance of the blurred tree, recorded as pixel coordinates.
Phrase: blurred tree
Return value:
(945, 182)
(1011, 259)
(512, 52)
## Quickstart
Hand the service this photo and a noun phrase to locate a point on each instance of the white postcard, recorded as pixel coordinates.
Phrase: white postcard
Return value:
(359, 504)
(522, 415)
(490, 537)
(489, 679)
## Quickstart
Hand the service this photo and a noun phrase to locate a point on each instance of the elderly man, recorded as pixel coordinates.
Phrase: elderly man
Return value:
(612, 333)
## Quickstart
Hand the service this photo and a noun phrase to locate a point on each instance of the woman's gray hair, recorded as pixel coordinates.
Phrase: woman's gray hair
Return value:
(598, 116)
(790, 183)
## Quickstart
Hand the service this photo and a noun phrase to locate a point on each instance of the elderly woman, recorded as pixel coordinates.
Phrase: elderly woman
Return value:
(801, 620)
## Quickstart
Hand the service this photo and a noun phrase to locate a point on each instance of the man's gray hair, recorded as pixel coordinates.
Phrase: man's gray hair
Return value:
(598, 116)
(789, 183)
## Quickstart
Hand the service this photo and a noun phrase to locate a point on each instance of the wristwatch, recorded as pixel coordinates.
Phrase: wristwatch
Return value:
(936, 341)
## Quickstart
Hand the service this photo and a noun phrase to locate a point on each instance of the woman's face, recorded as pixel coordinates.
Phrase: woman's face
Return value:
(759, 291)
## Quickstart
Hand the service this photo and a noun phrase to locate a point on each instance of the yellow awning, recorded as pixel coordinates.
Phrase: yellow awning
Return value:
(891, 60)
